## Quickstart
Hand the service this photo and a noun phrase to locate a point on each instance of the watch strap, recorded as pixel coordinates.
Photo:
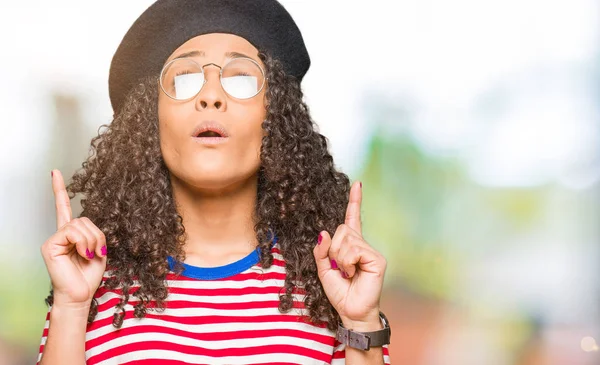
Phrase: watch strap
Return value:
(365, 340)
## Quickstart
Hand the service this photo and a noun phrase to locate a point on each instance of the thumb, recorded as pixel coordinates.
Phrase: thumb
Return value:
(321, 252)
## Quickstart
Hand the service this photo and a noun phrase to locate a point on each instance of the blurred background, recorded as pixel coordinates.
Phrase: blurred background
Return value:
(473, 125)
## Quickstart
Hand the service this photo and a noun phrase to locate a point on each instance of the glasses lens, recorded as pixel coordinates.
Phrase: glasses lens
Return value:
(242, 78)
(182, 79)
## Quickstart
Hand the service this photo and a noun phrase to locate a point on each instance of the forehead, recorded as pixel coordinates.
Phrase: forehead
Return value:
(216, 45)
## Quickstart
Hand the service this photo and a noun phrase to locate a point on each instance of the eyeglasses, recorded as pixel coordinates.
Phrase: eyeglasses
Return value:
(183, 78)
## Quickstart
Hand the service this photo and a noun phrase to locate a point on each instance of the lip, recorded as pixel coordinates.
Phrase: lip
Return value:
(210, 140)
(209, 125)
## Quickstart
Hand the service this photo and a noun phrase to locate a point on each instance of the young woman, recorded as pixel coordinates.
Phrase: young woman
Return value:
(215, 227)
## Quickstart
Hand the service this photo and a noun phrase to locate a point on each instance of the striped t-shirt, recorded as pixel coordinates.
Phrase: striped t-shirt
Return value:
(219, 315)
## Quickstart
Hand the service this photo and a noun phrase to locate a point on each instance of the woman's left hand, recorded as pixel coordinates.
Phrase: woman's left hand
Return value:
(350, 270)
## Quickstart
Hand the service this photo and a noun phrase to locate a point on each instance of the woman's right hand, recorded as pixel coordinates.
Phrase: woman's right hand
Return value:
(75, 255)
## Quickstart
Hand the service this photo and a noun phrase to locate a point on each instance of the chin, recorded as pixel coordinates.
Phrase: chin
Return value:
(210, 178)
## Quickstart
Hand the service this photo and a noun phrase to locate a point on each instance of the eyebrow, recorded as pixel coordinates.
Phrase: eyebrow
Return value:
(202, 54)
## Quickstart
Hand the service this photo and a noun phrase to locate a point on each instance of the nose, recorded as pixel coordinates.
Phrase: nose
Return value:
(211, 94)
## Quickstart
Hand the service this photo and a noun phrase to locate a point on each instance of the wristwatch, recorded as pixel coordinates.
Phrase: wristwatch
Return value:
(365, 340)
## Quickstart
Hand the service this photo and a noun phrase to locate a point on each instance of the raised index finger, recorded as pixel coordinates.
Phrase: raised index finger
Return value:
(61, 198)
(353, 210)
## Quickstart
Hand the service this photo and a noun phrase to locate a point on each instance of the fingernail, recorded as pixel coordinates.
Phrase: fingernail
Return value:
(333, 264)
(344, 275)
(103, 250)
(320, 239)
(361, 184)
(89, 254)
(52, 173)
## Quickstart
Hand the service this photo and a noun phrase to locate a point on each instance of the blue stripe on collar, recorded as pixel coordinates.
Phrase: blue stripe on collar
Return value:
(219, 272)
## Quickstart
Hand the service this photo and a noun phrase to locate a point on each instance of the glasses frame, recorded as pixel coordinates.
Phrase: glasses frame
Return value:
(205, 80)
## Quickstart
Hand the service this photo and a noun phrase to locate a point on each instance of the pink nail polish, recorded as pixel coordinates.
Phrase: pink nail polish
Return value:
(52, 173)
(320, 239)
(333, 264)
(103, 250)
(344, 275)
(361, 184)
(89, 254)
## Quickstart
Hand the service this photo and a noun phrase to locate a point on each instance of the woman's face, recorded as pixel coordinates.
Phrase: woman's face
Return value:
(233, 161)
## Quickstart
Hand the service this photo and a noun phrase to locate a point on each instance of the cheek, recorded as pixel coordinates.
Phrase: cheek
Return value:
(249, 116)
(254, 133)
(167, 132)
(246, 150)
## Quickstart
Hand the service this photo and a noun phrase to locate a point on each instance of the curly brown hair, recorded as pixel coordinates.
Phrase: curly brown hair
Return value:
(126, 192)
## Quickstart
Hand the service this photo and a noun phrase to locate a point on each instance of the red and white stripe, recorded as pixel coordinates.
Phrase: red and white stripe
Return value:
(234, 320)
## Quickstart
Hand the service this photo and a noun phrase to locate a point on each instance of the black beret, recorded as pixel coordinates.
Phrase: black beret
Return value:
(167, 24)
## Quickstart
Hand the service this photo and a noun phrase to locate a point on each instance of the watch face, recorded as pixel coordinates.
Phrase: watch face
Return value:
(386, 322)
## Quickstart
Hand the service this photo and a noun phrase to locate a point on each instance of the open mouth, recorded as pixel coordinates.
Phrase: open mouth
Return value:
(209, 134)
(210, 137)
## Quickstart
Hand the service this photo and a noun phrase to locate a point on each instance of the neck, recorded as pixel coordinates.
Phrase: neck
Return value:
(219, 224)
